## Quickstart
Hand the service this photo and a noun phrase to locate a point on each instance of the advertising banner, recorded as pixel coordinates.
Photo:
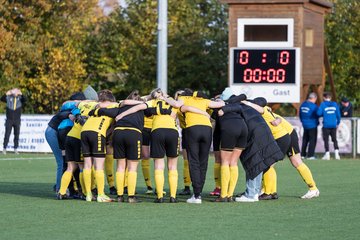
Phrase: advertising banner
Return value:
(344, 136)
(32, 133)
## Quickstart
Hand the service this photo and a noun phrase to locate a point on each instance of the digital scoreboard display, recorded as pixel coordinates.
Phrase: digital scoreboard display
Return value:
(264, 66)
(273, 73)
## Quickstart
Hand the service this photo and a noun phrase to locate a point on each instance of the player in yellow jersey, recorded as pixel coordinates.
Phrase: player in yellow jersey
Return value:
(287, 139)
(199, 136)
(145, 150)
(93, 143)
(182, 124)
(73, 147)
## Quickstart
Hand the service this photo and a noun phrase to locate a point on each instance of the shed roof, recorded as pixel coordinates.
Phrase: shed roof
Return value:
(322, 3)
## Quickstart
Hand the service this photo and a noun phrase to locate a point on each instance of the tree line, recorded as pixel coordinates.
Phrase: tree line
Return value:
(50, 48)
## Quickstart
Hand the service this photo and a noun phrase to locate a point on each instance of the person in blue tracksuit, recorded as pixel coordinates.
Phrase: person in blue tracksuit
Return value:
(330, 112)
(310, 121)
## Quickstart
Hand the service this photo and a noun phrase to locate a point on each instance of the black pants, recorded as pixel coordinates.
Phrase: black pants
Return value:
(309, 139)
(329, 132)
(198, 147)
(9, 124)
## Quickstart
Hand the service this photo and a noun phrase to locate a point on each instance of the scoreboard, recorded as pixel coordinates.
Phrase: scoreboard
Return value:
(273, 73)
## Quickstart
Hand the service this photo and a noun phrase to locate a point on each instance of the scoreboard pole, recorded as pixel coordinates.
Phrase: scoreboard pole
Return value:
(162, 44)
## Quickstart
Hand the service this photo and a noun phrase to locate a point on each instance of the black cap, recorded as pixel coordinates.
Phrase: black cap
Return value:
(344, 99)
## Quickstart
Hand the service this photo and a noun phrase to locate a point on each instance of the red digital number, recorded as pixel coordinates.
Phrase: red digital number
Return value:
(248, 77)
(281, 75)
(284, 57)
(244, 57)
(271, 75)
(257, 75)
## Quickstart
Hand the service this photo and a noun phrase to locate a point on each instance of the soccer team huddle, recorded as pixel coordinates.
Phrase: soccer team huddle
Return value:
(94, 133)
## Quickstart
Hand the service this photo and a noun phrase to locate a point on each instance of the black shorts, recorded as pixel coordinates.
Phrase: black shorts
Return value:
(294, 144)
(234, 133)
(62, 134)
(73, 150)
(146, 135)
(164, 141)
(216, 137)
(284, 143)
(93, 144)
(183, 139)
(127, 144)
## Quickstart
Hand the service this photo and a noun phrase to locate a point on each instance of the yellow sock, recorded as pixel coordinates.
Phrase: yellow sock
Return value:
(100, 181)
(217, 175)
(186, 173)
(225, 179)
(145, 166)
(93, 178)
(126, 177)
(120, 181)
(306, 175)
(234, 175)
(270, 181)
(132, 176)
(81, 177)
(109, 169)
(65, 180)
(87, 180)
(159, 183)
(173, 182)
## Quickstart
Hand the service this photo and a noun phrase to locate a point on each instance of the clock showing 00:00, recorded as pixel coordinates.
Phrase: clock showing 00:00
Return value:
(264, 66)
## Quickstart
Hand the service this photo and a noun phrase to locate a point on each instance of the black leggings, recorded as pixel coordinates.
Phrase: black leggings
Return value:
(9, 124)
(199, 141)
(329, 132)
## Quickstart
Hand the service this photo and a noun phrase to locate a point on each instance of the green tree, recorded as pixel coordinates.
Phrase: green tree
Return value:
(343, 43)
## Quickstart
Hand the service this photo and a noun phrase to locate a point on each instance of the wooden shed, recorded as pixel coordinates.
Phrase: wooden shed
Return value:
(307, 30)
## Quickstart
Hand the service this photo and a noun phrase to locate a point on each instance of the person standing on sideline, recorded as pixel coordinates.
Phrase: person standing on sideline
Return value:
(346, 108)
(14, 102)
(310, 121)
(330, 112)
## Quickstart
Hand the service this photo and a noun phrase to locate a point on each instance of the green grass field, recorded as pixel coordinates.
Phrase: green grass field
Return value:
(28, 208)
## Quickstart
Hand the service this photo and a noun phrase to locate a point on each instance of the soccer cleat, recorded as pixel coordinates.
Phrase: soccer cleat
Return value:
(243, 198)
(220, 199)
(149, 190)
(61, 196)
(173, 200)
(193, 199)
(216, 192)
(240, 194)
(311, 158)
(16, 151)
(272, 196)
(133, 199)
(326, 156)
(89, 197)
(4, 151)
(113, 191)
(337, 155)
(230, 199)
(120, 198)
(311, 194)
(103, 198)
(185, 191)
(159, 200)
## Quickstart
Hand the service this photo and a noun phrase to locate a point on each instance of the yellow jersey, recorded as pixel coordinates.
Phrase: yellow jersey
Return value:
(269, 116)
(164, 121)
(99, 124)
(148, 121)
(85, 108)
(285, 124)
(192, 119)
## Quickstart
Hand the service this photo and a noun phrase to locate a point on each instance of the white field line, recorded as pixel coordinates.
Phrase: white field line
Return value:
(25, 158)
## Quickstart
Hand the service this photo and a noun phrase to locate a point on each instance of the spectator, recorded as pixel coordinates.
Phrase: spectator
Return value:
(346, 108)
(310, 121)
(14, 102)
(330, 112)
